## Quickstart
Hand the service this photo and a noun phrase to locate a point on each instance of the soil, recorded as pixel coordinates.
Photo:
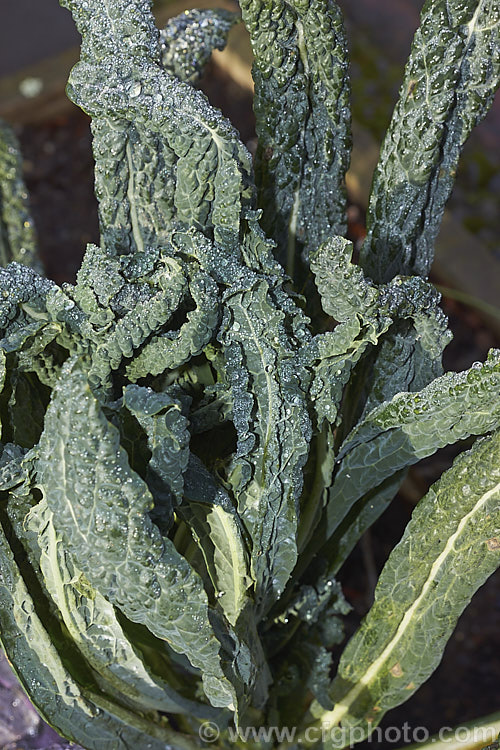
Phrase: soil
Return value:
(59, 174)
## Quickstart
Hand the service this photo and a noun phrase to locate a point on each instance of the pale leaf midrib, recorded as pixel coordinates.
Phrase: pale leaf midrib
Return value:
(331, 718)
(237, 575)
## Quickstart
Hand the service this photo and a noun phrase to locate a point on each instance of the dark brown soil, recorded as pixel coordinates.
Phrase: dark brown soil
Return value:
(59, 173)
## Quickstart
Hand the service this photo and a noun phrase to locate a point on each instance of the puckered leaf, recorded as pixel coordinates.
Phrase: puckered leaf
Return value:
(171, 349)
(100, 509)
(17, 234)
(32, 313)
(273, 429)
(408, 357)
(449, 548)
(20, 285)
(162, 152)
(392, 437)
(166, 428)
(303, 120)
(345, 292)
(369, 315)
(95, 629)
(450, 79)
(46, 668)
(403, 317)
(188, 40)
(13, 469)
(356, 303)
(412, 426)
(118, 305)
(135, 183)
(125, 300)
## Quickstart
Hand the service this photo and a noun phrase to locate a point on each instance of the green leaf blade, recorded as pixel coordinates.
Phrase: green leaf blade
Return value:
(167, 143)
(412, 426)
(174, 348)
(450, 547)
(17, 233)
(77, 710)
(188, 40)
(218, 532)
(168, 437)
(100, 507)
(273, 427)
(95, 629)
(303, 121)
(450, 80)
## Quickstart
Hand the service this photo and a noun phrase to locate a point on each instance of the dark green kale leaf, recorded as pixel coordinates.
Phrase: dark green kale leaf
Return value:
(188, 40)
(449, 84)
(303, 121)
(17, 233)
(110, 536)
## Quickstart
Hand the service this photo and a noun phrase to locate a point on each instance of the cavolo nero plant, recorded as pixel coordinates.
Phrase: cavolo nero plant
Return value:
(196, 433)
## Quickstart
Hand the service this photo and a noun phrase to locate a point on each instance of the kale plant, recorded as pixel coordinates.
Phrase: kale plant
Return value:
(196, 434)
